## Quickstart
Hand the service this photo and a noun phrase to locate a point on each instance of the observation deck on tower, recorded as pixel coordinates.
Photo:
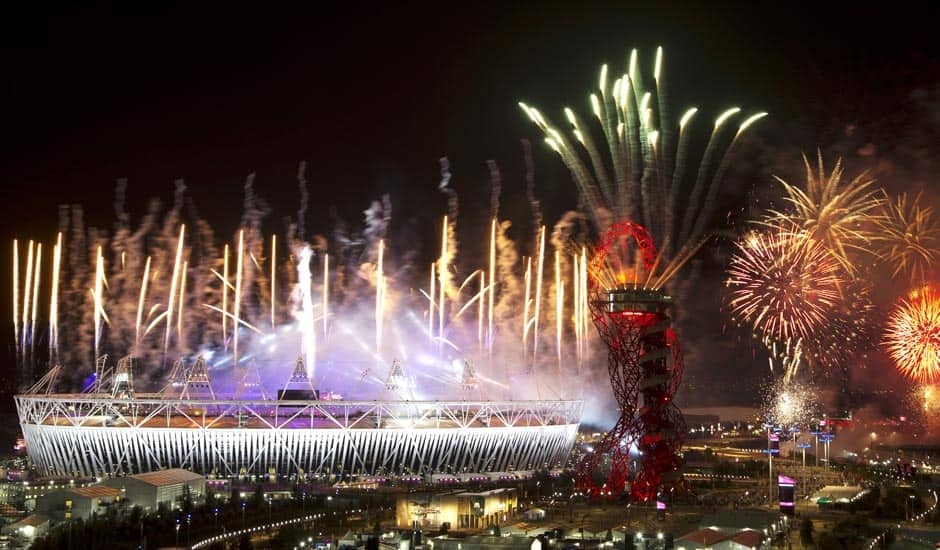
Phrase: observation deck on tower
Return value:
(632, 298)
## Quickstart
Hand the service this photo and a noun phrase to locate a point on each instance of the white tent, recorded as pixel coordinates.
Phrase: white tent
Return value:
(534, 514)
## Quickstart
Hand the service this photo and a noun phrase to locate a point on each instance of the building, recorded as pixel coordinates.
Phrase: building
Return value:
(731, 522)
(23, 494)
(512, 542)
(712, 539)
(534, 514)
(164, 487)
(34, 525)
(701, 539)
(95, 434)
(456, 510)
(747, 540)
(82, 502)
(836, 494)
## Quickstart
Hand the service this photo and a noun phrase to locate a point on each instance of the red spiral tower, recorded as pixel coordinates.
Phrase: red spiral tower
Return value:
(645, 365)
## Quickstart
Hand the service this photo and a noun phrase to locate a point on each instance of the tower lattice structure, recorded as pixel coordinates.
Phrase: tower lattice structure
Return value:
(645, 365)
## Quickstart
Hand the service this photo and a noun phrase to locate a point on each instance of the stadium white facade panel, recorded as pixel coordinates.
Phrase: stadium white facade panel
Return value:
(84, 435)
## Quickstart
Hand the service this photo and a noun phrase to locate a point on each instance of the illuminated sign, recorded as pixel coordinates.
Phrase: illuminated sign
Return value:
(787, 489)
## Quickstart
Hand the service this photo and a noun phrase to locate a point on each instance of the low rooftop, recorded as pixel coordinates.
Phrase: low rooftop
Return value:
(704, 537)
(736, 520)
(95, 491)
(167, 477)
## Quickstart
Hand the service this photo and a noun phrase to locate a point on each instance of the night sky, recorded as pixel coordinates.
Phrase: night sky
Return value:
(372, 97)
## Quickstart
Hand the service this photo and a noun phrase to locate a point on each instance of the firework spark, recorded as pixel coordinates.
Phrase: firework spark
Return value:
(783, 284)
(840, 216)
(789, 403)
(913, 336)
(326, 295)
(54, 301)
(639, 141)
(909, 237)
(379, 297)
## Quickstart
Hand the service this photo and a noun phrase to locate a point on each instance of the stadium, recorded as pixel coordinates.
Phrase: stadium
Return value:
(113, 430)
(384, 382)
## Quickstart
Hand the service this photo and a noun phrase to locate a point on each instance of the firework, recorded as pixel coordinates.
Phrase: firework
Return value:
(913, 336)
(923, 401)
(538, 294)
(309, 340)
(928, 404)
(481, 309)
(783, 284)
(838, 215)
(443, 271)
(526, 301)
(847, 336)
(492, 258)
(54, 301)
(173, 285)
(922, 407)
(379, 298)
(326, 294)
(182, 307)
(239, 270)
(648, 155)
(32, 316)
(24, 335)
(431, 304)
(909, 237)
(98, 295)
(156, 299)
(273, 276)
(16, 294)
(140, 306)
(788, 354)
(790, 403)
(929, 398)
(225, 288)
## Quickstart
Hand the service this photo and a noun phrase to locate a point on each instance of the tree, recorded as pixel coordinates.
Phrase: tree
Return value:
(826, 540)
(286, 537)
(806, 531)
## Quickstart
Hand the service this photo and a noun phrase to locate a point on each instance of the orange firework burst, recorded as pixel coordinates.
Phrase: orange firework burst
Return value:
(909, 237)
(913, 337)
(839, 215)
(783, 284)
